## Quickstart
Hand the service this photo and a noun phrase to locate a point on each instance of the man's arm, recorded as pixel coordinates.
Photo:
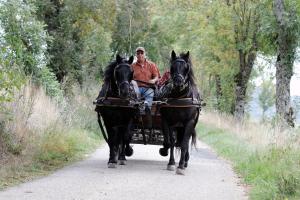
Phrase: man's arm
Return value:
(155, 74)
(154, 80)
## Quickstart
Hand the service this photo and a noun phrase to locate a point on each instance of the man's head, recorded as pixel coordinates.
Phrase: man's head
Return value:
(140, 54)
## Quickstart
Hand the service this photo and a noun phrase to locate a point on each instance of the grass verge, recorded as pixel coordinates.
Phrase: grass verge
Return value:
(51, 151)
(39, 134)
(272, 172)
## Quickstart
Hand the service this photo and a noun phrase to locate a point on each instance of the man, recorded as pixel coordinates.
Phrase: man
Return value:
(146, 74)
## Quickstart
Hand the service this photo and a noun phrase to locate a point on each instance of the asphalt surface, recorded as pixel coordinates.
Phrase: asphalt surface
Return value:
(144, 177)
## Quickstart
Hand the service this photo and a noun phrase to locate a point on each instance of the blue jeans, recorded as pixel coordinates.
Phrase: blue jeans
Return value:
(148, 94)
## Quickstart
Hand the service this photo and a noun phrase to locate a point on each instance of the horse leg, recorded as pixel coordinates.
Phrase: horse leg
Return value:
(187, 157)
(112, 140)
(171, 164)
(121, 137)
(166, 144)
(185, 146)
(128, 148)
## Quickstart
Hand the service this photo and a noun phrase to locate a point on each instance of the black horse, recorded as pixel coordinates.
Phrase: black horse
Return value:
(113, 104)
(180, 115)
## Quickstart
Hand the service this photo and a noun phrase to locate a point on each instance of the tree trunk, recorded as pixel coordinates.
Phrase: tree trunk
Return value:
(241, 80)
(219, 93)
(284, 67)
(245, 35)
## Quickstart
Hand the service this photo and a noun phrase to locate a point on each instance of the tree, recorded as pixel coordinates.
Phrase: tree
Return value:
(218, 53)
(246, 29)
(23, 46)
(81, 32)
(23, 36)
(287, 29)
(132, 25)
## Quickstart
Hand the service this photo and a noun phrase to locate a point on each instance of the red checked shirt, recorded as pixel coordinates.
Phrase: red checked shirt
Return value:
(144, 72)
(166, 76)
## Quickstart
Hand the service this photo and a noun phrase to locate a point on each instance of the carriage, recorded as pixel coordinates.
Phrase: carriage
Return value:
(140, 131)
(174, 114)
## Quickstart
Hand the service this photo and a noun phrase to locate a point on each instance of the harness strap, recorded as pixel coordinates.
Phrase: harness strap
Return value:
(101, 127)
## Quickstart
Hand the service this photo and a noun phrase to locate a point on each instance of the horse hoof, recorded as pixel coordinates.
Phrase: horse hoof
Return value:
(171, 167)
(185, 165)
(111, 165)
(122, 162)
(180, 171)
(163, 151)
(129, 151)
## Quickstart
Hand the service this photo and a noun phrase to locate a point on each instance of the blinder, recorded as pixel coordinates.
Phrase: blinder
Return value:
(178, 75)
(119, 84)
(123, 82)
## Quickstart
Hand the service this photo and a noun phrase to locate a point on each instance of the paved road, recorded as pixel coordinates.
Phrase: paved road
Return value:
(144, 177)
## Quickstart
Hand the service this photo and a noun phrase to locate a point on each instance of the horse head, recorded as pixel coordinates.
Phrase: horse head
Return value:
(180, 69)
(123, 75)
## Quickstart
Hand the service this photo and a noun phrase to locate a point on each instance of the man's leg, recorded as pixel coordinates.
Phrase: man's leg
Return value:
(149, 93)
(136, 89)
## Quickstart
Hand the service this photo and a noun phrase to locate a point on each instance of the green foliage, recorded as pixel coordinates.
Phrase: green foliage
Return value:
(81, 37)
(217, 52)
(24, 36)
(23, 49)
(10, 79)
(270, 29)
(50, 84)
(132, 25)
(57, 148)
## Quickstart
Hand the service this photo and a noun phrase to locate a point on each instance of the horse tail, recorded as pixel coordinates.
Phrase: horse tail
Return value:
(180, 138)
(194, 138)
(194, 135)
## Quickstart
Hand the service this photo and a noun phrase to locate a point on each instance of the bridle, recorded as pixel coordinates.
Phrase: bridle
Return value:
(180, 76)
(123, 82)
(126, 82)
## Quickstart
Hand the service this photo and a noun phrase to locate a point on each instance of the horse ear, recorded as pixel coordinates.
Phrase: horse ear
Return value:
(130, 61)
(173, 55)
(119, 58)
(186, 56)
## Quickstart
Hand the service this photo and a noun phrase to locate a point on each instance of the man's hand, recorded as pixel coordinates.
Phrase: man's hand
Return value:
(153, 81)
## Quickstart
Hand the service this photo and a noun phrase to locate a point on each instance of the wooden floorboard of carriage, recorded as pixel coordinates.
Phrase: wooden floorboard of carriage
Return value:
(144, 177)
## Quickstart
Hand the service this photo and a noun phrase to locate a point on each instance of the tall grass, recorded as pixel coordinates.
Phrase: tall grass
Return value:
(39, 133)
(259, 135)
(266, 157)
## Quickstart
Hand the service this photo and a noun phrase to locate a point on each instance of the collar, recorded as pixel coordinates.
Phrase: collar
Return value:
(142, 64)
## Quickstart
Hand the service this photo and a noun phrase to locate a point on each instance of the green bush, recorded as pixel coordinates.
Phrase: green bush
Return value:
(57, 147)
(48, 80)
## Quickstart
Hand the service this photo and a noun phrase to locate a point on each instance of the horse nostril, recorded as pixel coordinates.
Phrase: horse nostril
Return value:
(178, 81)
(124, 93)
